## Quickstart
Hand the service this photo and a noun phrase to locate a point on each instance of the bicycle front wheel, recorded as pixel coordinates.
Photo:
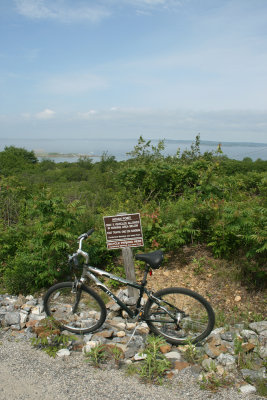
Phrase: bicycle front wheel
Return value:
(77, 310)
(179, 315)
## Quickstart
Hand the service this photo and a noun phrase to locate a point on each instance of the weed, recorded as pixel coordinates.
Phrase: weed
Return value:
(220, 318)
(96, 355)
(244, 359)
(154, 367)
(213, 382)
(192, 354)
(199, 265)
(131, 370)
(49, 338)
(261, 386)
(117, 353)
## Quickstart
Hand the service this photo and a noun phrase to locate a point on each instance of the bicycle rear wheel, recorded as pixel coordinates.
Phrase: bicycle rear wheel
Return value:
(179, 315)
(78, 311)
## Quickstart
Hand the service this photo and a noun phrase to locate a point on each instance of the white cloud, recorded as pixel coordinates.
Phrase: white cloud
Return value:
(71, 84)
(60, 10)
(46, 114)
(87, 114)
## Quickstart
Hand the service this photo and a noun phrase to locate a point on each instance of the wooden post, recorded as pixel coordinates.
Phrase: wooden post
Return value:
(128, 261)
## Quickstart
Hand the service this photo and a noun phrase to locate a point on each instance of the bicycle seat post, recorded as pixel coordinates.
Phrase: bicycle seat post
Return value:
(144, 281)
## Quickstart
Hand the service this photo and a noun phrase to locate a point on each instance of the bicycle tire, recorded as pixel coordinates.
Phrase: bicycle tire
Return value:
(194, 315)
(90, 310)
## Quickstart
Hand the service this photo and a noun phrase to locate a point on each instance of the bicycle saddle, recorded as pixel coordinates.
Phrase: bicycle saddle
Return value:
(153, 259)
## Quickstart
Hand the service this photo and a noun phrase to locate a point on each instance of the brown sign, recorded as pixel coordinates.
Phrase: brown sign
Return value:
(123, 231)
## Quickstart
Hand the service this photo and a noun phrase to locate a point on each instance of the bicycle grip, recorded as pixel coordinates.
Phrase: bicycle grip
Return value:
(90, 232)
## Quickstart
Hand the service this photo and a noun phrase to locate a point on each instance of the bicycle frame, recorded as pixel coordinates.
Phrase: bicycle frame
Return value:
(89, 271)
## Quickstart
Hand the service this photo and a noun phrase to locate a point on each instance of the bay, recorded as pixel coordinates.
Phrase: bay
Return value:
(70, 149)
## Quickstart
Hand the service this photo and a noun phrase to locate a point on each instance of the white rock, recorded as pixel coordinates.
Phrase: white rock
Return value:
(130, 325)
(23, 317)
(120, 334)
(37, 310)
(90, 345)
(247, 389)
(63, 353)
(263, 352)
(140, 356)
(174, 354)
(226, 360)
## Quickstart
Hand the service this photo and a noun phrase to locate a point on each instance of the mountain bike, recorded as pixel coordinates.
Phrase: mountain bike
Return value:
(177, 314)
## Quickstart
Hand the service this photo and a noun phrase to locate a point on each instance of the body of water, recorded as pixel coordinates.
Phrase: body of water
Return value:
(120, 147)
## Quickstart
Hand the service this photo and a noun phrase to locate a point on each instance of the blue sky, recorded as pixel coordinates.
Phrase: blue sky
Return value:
(124, 68)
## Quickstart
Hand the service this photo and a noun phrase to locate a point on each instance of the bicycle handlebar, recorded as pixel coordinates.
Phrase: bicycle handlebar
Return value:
(85, 235)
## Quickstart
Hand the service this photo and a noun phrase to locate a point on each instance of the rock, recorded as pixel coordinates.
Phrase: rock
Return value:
(32, 323)
(142, 328)
(15, 327)
(140, 356)
(247, 389)
(263, 338)
(120, 334)
(20, 301)
(130, 326)
(263, 352)
(12, 318)
(90, 345)
(37, 310)
(179, 365)
(23, 317)
(228, 336)
(247, 347)
(174, 355)
(166, 348)
(106, 333)
(217, 331)
(208, 364)
(226, 360)
(117, 324)
(253, 375)
(214, 351)
(63, 353)
(36, 317)
(115, 307)
(214, 339)
(220, 370)
(239, 327)
(258, 326)
(249, 336)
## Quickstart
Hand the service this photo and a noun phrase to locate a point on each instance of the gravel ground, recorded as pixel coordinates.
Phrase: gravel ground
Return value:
(27, 374)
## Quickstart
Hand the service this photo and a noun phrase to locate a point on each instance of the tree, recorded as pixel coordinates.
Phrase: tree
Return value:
(14, 159)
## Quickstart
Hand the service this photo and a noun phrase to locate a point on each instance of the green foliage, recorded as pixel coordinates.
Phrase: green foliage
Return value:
(96, 355)
(145, 151)
(49, 338)
(38, 257)
(14, 159)
(154, 367)
(188, 199)
(192, 354)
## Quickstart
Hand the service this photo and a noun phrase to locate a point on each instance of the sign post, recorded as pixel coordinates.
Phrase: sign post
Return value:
(124, 231)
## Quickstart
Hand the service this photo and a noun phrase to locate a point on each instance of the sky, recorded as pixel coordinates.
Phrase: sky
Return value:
(163, 69)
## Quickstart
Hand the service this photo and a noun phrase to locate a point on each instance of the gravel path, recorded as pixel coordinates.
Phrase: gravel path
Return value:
(28, 374)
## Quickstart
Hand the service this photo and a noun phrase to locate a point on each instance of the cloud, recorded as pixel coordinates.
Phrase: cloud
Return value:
(60, 10)
(71, 12)
(72, 84)
(87, 114)
(46, 114)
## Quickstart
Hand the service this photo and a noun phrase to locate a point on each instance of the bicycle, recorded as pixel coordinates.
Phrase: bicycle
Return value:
(177, 314)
